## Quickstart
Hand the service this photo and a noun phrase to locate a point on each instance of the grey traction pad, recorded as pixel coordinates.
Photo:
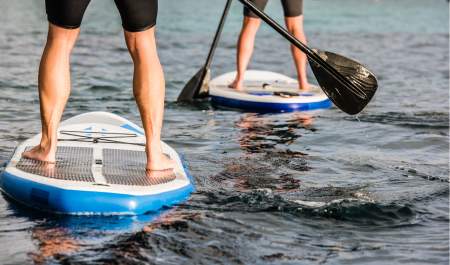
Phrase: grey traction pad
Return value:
(72, 163)
(127, 167)
(121, 167)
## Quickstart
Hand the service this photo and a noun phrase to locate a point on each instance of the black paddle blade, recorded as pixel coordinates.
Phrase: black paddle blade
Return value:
(197, 87)
(350, 95)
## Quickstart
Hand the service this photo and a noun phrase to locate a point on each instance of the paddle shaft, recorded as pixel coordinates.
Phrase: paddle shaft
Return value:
(217, 36)
(308, 51)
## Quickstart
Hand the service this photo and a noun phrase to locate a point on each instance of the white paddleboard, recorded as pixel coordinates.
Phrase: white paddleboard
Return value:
(265, 91)
(100, 169)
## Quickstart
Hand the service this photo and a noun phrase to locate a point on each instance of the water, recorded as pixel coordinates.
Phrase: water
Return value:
(315, 188)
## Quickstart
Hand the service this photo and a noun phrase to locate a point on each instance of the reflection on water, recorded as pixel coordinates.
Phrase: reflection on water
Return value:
(52, 242)
(260, 133)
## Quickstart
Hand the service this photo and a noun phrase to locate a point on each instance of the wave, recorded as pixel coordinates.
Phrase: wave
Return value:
(433, 120)
(425, 176)
(345, 204)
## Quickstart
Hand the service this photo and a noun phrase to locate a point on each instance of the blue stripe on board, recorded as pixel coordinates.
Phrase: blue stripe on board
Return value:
(268, 106)
(131, 128)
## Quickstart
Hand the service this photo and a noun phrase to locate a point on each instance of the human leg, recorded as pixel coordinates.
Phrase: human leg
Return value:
(54, 89)
(149, 90)
(245, 46)
(246, 42)
(295, 26)
(293, 12)
(148, 77)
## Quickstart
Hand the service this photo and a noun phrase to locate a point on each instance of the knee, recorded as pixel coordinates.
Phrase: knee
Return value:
(293, 27)
(251, 25)
(62, 38)
(134, 45)
(130, 39)
(141, 44)
(294, 24)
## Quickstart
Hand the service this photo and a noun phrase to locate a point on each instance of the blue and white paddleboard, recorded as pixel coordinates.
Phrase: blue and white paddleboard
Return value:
(100, 169)
(265, 92)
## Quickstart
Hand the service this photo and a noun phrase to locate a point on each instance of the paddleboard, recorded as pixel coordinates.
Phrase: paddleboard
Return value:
(99, 170)
(265, 91)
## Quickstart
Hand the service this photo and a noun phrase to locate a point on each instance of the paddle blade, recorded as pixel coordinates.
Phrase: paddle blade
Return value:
(350, 95)
(197, 87)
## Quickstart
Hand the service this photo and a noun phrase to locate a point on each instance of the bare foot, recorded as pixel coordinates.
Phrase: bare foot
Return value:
(159, 161)
(47, 169)
(160, 176)
(40, 153)
(236, 84)
(304, 87)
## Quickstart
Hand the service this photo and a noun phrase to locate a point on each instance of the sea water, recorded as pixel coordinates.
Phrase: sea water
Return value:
(295, 188)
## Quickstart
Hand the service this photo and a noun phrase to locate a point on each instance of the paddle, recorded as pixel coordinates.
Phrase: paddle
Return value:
(198, 86)
(346, 82)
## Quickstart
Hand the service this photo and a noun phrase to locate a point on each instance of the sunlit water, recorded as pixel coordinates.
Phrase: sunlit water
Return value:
(298, 188)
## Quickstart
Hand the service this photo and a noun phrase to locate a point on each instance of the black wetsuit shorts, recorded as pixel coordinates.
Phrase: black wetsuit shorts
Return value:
(291, 8)
(137, 15)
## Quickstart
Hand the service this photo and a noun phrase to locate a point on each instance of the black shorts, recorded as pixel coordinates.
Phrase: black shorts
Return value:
(137, 15)
(291, 8)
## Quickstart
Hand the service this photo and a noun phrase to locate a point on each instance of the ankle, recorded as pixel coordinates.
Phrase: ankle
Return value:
(47, 149)
(47, 144)
(153, 148)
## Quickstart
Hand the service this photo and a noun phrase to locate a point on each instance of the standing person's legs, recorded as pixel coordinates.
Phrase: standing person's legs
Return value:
(293, 12)
(54, 72)
(246, 42)
(139, 18)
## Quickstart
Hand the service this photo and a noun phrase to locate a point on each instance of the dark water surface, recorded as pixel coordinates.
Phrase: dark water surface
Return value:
(299, 188)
